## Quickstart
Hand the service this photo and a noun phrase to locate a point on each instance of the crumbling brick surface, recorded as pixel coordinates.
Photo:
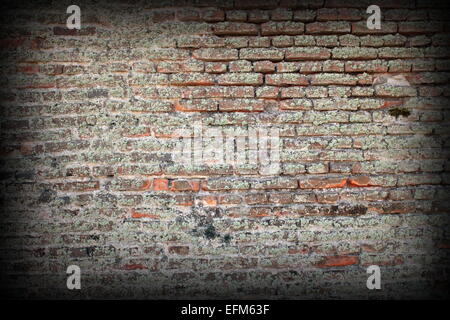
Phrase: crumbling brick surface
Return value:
(88, 123)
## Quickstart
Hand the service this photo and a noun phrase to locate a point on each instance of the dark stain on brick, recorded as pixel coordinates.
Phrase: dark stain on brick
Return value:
(348, 209)
(210, 232)
(90, 251)
(97, 93)
(25, 175)
(65, 200)
(47, 196)
(397, 112)
(227, 239)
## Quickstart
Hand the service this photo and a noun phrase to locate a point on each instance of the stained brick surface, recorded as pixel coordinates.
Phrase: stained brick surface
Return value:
(88, 123)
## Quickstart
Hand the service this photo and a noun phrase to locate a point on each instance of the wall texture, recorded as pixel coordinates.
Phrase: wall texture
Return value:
(88, 129)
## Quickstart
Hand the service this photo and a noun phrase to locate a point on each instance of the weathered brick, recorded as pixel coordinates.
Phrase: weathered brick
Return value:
(395, 91)
(327, 41)
(332, 78)
(198, 41)
(398, 53)
(241, 66)
(197, 105)
(354, 53)
(236, 15)
(419, 27)
(277, 28)
(264, 66)
(286, 79)
(259, 42)
(215, 54)
(307, 53)
(296, 104)
(322, 183)
(261, 54)
(213, 15)
(175, 67)
(245, 105)
(327, 28)
(258, 16)
(304, 15)
(267, 92)
(281, 14)
(235, 28)
(160, 184)
(282, 41)
(240, 79)
(189, 79)
(215, 67)
(185, 185)
(293, 92)
(187, 14)
(225, 184)
(278, 183)
(338, 261)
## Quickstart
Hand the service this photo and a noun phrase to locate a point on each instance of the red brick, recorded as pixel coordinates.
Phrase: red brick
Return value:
(134, 266)
(184, 200)
(281, 14)
(236, 15)
(286, 79)
(175, 66)
(338, 261)
(243, 105)
(179, 250)
(187, 14)
(307, 53)
(264, 66)
(324, 79)
(215, 54)
(185, 185)
(259, 212)
(327, 28)
(279, 28)
(235, 29)
(30, 69)
(362, 181)
(296, 104)
(261, 54)
(208, 201)
(241, 79)
(160, 184)
(322, 183)
(333, 14)
(325, 14)
(80, 186)
(191, 79)
(419, 27)
(196, 105)
(258, 16)
(215, 67)
(366, 66)
(137, 215)
(213, 15)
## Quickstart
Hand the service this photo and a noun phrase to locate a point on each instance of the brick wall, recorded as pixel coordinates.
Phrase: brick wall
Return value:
(89, 123)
